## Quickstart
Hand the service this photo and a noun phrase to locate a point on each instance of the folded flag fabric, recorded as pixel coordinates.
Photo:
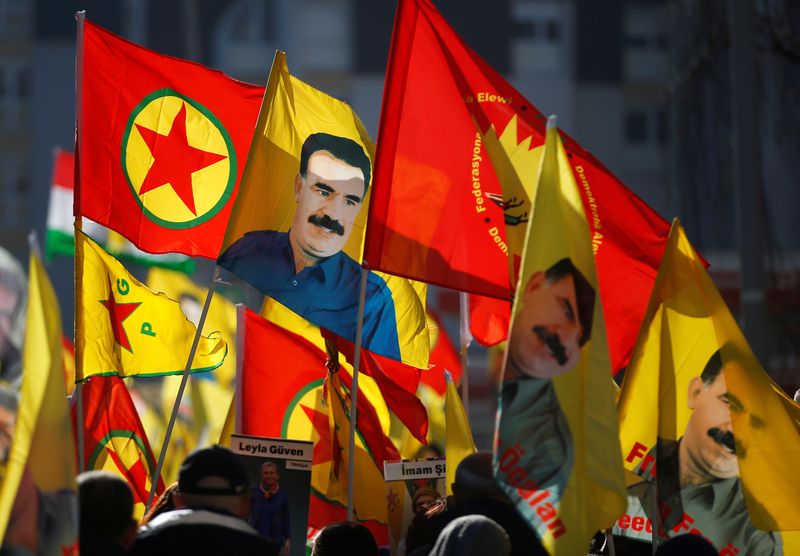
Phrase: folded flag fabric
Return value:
(221, 315)
(397, 383)
(123, 328)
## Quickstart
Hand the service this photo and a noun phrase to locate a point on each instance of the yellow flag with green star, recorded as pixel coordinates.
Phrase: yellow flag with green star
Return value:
(123, 328)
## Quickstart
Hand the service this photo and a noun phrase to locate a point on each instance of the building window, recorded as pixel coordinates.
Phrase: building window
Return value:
(662, 126)
(636, 127)
(553, 31)
(15, 19)
(245, 39)
(540, 36)
(14, 189)
(15, 88)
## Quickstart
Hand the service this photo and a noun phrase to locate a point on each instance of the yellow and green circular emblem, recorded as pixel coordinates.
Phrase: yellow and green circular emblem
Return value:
(178, 159)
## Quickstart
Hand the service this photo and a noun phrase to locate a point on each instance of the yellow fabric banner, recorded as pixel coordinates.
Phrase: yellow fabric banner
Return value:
(221, 315)
(702, 423)
(126, 329)
(459, 443)
(296, 232)
(557, 452)
(41, 462)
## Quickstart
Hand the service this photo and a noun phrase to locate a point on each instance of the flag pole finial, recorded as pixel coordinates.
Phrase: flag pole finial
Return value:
(552, 122)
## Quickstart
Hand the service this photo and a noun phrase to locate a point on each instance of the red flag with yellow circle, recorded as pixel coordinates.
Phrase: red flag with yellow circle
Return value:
(161, 144)
(114, 439)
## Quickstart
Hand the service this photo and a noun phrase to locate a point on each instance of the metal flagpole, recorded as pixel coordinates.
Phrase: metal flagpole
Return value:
(184, 380)
(655, 519)
(610, 542)
(237, 391)
(76, 212)
(362, 296)
(465, 339)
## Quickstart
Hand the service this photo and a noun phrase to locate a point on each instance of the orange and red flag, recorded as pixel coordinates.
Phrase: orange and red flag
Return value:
(161, 145)
(282, 395)
(458, 156)
(397, 382)
(444, 357)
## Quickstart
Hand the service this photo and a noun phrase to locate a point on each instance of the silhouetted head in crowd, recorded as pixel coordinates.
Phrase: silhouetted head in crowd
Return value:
(162, 504)
(474, 479)
(344, 539)
(106, 512)
(214, 478)
(472, 535)
(687, 545)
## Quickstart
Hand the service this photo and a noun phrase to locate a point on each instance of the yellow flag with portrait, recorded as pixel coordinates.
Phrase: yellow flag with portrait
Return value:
(702, 425)
(556, 451)
(297, 229)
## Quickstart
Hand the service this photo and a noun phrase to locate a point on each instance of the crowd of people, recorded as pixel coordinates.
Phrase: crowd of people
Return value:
(208, 512)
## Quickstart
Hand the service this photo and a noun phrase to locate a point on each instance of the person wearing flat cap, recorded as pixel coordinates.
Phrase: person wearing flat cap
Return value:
(212, 505)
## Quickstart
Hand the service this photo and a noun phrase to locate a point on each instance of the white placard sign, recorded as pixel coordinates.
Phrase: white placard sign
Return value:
(273, 448)
(414, 469)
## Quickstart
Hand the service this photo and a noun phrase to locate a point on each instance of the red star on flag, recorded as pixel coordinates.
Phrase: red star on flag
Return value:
(175, 160)
(118, 312)
(322, 447)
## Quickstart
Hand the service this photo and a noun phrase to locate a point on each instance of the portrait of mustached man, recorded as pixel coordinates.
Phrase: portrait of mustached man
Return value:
(698, 476)
(306, 268)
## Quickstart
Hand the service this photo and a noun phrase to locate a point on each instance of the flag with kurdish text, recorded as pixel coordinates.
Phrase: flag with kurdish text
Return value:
(37, 478)
(161, 144)
(456, 165)
(123, 328)
(557, 438)
(297, 228)
(114, 439)
(704, 428)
